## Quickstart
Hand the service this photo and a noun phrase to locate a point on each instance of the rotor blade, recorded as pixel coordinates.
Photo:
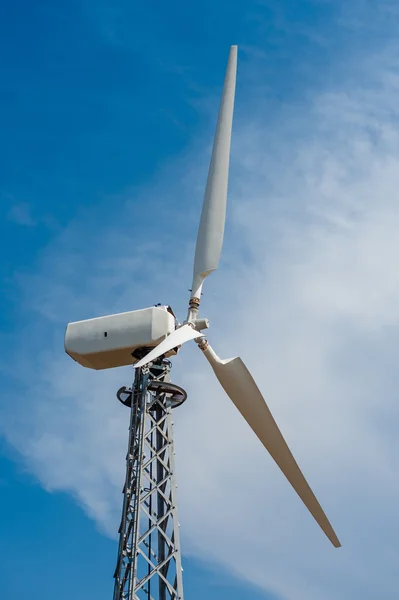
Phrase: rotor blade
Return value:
(240, 386)
(176, 338)
(211, 228)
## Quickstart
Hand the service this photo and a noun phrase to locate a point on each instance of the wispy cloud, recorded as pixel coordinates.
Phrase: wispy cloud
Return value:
(23, 214)
(310, 273)
(20, 213)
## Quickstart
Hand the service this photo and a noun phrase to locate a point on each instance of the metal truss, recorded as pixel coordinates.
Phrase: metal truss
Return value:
(149, 560)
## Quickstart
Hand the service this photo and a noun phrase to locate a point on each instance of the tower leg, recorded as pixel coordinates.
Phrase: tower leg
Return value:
(149, 559)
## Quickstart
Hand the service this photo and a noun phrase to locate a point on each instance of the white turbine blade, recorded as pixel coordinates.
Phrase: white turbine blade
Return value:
(176, 338)
(240, 386)
(211, 228)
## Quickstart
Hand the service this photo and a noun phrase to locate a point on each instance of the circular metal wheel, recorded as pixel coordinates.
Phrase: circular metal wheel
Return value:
(176, 394)
(124, 395)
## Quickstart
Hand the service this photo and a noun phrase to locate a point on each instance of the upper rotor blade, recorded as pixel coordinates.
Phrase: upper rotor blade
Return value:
(211, 228)
(176, 338)
(240, 386)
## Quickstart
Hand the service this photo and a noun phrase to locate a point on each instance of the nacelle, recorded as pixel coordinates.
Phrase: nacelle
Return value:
(108, 342)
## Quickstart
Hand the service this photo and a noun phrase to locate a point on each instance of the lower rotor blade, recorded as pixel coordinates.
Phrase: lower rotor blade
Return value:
(240, 386)
(176, 338)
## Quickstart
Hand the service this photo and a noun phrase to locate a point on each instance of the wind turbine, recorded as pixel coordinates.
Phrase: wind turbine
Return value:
(149, 559)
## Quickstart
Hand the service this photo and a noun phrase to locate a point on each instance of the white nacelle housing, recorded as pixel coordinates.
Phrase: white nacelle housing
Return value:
(107, 342)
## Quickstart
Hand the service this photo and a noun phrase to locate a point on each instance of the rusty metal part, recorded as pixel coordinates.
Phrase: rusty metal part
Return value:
(203, 344)
(194, 302)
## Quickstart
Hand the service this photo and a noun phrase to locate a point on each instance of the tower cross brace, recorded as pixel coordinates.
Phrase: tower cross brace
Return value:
(149, 559)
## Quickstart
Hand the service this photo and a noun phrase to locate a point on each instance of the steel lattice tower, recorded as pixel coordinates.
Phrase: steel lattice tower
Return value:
(149, 559)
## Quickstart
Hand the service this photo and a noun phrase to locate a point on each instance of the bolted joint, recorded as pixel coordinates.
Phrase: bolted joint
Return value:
(194, 302)
(202, 344)
(193, 309)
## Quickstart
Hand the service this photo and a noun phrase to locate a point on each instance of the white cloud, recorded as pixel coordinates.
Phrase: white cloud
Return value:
(308, 295)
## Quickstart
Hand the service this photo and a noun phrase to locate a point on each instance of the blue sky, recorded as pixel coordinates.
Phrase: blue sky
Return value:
(107, 114)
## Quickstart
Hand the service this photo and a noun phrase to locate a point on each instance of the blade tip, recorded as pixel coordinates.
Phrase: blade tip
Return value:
(335, 542)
